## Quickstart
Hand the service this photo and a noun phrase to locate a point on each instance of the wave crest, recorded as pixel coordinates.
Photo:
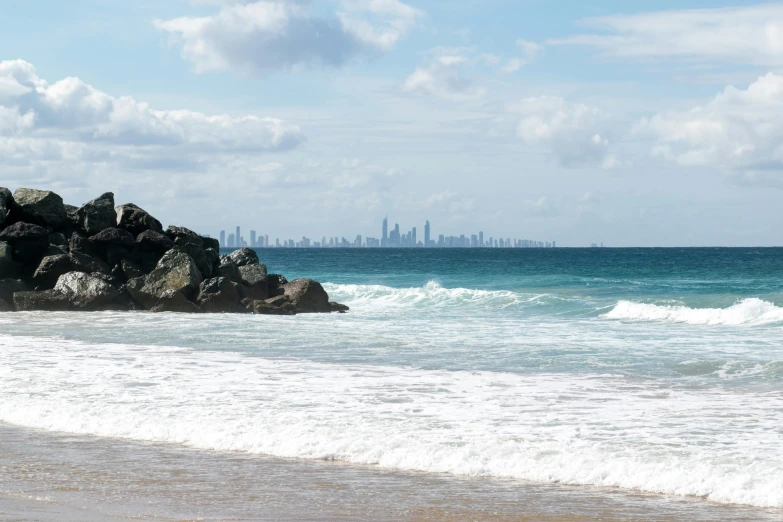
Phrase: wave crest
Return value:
(752, 311)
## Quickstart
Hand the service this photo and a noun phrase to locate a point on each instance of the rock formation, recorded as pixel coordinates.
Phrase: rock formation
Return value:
(97, 257)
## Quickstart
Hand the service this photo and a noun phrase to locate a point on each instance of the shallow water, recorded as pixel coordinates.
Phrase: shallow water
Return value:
(647, 370)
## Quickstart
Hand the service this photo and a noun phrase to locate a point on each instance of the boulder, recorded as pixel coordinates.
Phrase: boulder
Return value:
(337, 307)
(210, 242)
(175, 271)
(307, 296)
(24, 231)
(219, 295)
(53, 267)
(55, 250)
(46, 300)
(152, 241)
(114, 237)
(274, 283)
(182, 235)
(8, 287)
(282, 301)
(244, 257)
(173, 301)
(199, 256)
(5, 307)
(263, 308)
(73, 216)
(229, 269)
(40, 207)
(58, 239)
(214, 259)
(130, 270)
(8, 267)
(6, 201)
(91, 292)
(79, 243)
(254, 278)
(97, 215)
(136, 220)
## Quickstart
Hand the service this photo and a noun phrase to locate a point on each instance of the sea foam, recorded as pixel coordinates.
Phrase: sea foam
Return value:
(750, 311)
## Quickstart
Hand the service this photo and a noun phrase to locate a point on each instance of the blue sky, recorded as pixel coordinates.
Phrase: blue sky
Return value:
(652, 124)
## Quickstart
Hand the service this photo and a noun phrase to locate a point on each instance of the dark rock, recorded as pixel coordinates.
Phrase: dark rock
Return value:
(30, 251)
(136, 220)
(73, 215)
(210, 242)
(5, 307)
(79, 243)
(175, 271)
(244, 257)
(24, 231)
(54, 250)
(116, 254)
(219, 295)
(130, 270)
(274, 283)
(98, 215)
(229, 269)
(197, 253)
(151, 241)
(8, 267)
(8, 287)
(114, 237)
(53, 267)
(58, 239)
(263, 308)
(46, 300)
(182, 235)
(214, 260)
(147, 261)
(40, 207)
(91, 292)
(173, 301)
(337, 307)
(6, 201)
(307, 296)
(254, 278)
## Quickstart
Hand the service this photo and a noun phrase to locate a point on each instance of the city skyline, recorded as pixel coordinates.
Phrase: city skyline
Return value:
(389, 239)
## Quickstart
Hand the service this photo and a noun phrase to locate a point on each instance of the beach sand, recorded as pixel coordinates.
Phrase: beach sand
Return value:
(59, 477)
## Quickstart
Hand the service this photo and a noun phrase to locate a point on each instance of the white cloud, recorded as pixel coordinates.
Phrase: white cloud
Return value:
(444, 78)
(752, 34)
(256, 37)
(529, 51)
(572, 132)
(738, 129)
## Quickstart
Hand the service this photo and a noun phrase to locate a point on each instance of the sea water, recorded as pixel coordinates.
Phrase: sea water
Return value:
(652, 370)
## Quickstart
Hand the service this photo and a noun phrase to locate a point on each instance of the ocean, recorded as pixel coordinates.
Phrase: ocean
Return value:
(494, 372)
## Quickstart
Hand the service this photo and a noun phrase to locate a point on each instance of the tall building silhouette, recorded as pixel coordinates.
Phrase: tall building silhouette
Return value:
(237, 239)
(427, 233)
(385, 236)
(223, 239)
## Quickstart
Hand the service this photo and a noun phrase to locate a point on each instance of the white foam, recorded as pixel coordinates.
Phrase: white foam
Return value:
(576, 429)
(746, 312)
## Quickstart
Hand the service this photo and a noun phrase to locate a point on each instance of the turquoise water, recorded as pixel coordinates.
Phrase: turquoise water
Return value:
(656, 370)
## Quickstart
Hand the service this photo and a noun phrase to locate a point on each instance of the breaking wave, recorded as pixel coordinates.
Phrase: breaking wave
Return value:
(751, 311)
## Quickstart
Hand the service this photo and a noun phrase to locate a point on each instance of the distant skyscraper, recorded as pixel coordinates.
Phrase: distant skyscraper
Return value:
(223, 238)
(481, 239)
(385, 235)
(253, 238)
(427, 234)
(413, 237)
(231, 241)
(238, 237)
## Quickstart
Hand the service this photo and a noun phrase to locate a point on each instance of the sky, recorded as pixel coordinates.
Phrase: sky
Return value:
(632, 124)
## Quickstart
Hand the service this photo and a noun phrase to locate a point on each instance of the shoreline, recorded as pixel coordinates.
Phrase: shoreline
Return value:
(57, 476)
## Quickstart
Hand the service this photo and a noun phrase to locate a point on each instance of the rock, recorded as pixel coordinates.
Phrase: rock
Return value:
(199, 256)
(229, 269)
(5, 307)
(279, 300)
(46, 300)
(97, 215)
(53, 267)
(175, 271)
(8, 267)
(274, 283)
(114, 237)
(29, 241)
(40, 207)
(136, 220)
(219, 295)
(91, 292)
(182, 235)
(58, 239)
(130, 270)
(73, 215)
(173, 301)
(79, 243)
(209, 242)
(263, 308)
(307, 296)
(152, 241)
(337, 307)
(54, 250)
(254, 278)
(23, 231)
(214, 259)
(244, 257)
(8, 287)
(6, 201)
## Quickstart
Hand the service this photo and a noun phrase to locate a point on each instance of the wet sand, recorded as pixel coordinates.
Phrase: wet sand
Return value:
(59, 477)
